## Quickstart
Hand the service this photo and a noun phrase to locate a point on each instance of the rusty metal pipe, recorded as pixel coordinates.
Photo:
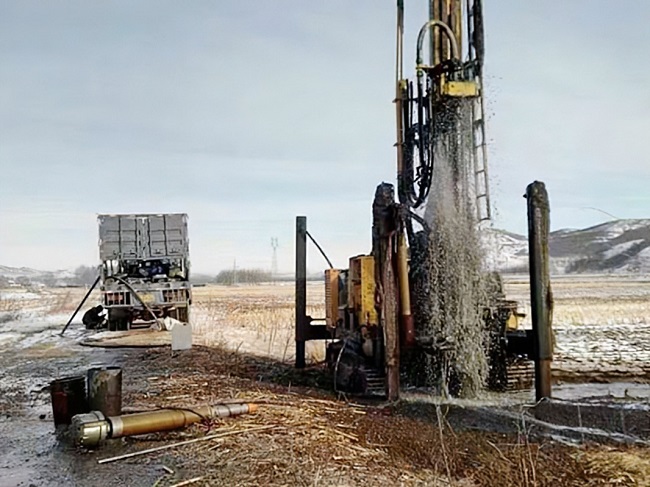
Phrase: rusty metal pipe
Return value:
(406, 317)
(105, 390)
(91, 429)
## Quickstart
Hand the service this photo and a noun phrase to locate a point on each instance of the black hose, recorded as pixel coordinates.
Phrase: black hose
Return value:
(322, 252)
(137, 296)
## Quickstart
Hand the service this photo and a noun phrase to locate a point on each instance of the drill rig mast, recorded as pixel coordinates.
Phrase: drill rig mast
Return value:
(379, 310)
(429, 111)
(442, 176)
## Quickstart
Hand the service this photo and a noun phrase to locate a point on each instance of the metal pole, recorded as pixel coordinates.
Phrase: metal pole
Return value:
(80, 305)
(407, 326)
(301, 289)
(540, 287)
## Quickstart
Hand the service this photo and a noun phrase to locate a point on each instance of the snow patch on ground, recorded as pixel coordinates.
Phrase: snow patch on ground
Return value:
(35, 328)
(18, 295)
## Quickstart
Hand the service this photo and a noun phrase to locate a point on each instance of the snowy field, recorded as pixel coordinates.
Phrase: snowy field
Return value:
(602, 323)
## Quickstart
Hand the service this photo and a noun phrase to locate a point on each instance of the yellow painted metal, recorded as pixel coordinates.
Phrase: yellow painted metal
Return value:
(512, 323)
(169, 419)
(89, 429)
(148, 298)
(332, 297)
(361, 289)
(514, 320)
(459, 89)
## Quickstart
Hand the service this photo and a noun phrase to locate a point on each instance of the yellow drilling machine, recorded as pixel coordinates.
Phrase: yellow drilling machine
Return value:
(388, 314)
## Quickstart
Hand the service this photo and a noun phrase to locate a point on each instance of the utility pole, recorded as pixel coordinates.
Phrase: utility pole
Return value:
(274, 261)
(234, 272)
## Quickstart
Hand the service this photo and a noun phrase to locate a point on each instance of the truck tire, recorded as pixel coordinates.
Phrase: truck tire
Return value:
(118, 320)
(112, 324)
(182, 314)
(123, 324)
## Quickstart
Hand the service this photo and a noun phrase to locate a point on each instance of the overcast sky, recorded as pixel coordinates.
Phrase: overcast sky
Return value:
(246, 113)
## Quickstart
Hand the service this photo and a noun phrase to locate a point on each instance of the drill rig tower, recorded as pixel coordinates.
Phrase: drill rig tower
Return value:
(420, 306)
(433, 111)
(442, 187)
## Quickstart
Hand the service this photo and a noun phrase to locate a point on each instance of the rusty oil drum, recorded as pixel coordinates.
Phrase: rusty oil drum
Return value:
(68, 398)
(105, 390)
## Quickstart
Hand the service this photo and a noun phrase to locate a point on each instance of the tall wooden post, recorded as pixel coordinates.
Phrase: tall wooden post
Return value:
(384, 236)
(541, 299)
(301, 290)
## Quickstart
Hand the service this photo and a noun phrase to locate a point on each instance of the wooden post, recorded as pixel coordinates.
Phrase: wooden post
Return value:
(301, 289)
(541, 299)
(384, 237)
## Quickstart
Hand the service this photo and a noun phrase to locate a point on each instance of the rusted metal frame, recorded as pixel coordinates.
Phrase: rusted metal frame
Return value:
(301, 290)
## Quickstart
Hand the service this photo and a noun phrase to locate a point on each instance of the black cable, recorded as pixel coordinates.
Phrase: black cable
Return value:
(329, 262)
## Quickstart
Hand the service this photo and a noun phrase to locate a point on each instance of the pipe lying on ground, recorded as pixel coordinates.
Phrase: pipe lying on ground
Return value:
(90, 429)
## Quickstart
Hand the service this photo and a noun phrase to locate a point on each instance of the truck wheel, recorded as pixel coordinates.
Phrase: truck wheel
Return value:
(123, 324)
(182, 314)
(118, 319)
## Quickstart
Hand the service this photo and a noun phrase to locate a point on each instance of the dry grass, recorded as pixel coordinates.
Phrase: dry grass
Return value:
(316, 440)
(589, 301)
(611, 467)
(254, 319)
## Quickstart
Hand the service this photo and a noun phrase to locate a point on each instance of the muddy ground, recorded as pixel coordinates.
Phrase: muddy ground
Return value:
(309, 436)
(315, 438)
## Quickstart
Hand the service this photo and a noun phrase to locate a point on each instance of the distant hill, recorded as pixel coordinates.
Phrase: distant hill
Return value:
(26, 277)
(620, 246)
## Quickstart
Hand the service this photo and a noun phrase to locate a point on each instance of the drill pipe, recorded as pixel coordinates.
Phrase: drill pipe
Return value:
(406, 318)
(90, 429)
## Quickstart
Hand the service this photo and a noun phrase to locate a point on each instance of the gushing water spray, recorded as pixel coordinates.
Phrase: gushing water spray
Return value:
(443, 178)
(456, 297)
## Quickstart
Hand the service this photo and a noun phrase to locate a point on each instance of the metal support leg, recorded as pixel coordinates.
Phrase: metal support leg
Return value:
(301, 289)
(80, 305)
(540, 288)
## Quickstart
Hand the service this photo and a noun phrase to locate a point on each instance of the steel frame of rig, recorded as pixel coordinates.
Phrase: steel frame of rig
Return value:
(371, 311)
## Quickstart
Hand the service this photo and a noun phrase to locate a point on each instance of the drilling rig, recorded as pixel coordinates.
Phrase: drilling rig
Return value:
(420, 307)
